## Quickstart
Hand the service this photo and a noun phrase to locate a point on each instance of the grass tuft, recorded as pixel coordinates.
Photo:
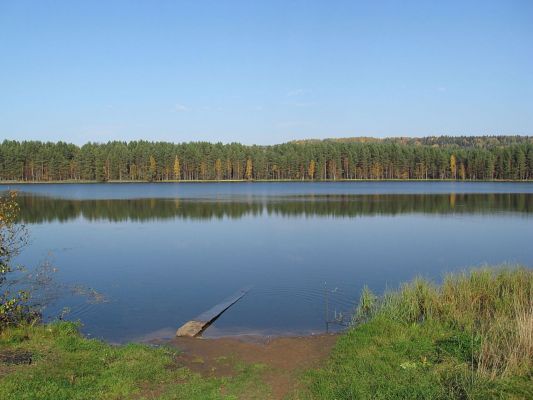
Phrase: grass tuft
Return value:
(469, 338)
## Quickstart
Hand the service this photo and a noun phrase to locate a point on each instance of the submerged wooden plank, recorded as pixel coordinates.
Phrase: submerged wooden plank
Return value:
(191, 329)
(197, 325)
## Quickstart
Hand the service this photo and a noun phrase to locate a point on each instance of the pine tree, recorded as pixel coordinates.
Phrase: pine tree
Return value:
(249, 169)
(218, 169)
(152, 169)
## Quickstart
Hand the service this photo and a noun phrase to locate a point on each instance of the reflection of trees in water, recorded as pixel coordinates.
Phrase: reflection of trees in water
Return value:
(35, 209)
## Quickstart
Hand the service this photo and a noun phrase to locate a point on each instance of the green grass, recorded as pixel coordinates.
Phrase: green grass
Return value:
(68, 366)
(470, 338)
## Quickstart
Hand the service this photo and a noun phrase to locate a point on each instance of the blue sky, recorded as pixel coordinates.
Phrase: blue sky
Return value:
(263, 71)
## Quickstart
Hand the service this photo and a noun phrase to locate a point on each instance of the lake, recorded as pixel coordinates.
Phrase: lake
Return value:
(163, 253)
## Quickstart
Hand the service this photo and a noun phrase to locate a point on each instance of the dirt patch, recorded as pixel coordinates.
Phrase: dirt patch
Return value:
(285, 357)
(15, 357)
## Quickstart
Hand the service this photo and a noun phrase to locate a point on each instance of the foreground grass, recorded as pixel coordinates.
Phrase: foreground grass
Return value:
(66, 366)
(471, 338)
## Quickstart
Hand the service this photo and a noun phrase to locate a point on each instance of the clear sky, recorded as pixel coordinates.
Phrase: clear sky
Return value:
(264, 71)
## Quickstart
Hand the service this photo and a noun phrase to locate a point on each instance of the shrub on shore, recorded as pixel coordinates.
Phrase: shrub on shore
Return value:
(14, 302)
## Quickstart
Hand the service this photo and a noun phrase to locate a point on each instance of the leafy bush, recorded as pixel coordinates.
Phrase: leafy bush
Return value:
(14, 306)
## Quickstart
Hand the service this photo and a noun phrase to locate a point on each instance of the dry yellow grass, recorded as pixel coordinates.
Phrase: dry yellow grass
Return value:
(494, 304)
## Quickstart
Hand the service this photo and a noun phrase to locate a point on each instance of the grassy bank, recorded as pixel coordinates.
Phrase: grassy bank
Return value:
(54, 362)
(470, 338)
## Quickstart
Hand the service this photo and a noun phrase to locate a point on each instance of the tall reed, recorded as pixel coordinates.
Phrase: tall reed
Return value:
(493, 305)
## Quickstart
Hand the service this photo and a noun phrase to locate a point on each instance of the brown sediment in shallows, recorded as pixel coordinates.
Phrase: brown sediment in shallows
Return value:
(284, 357)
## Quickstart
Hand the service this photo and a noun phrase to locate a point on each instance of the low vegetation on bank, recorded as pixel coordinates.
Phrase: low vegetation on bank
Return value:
(469, 338)
(54, 362)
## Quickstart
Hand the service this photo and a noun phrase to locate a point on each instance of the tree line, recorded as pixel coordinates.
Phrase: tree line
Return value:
(445, 157)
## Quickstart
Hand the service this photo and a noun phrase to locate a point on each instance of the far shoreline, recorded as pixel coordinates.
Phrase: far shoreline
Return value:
(89, 182)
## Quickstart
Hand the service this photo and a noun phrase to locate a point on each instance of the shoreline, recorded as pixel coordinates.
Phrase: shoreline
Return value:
(167, 335)
(67, 182)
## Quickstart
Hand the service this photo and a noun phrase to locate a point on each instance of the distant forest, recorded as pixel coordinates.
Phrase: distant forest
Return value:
(442, 157)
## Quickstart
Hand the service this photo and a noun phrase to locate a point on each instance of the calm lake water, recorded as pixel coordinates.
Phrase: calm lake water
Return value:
(163, 253)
